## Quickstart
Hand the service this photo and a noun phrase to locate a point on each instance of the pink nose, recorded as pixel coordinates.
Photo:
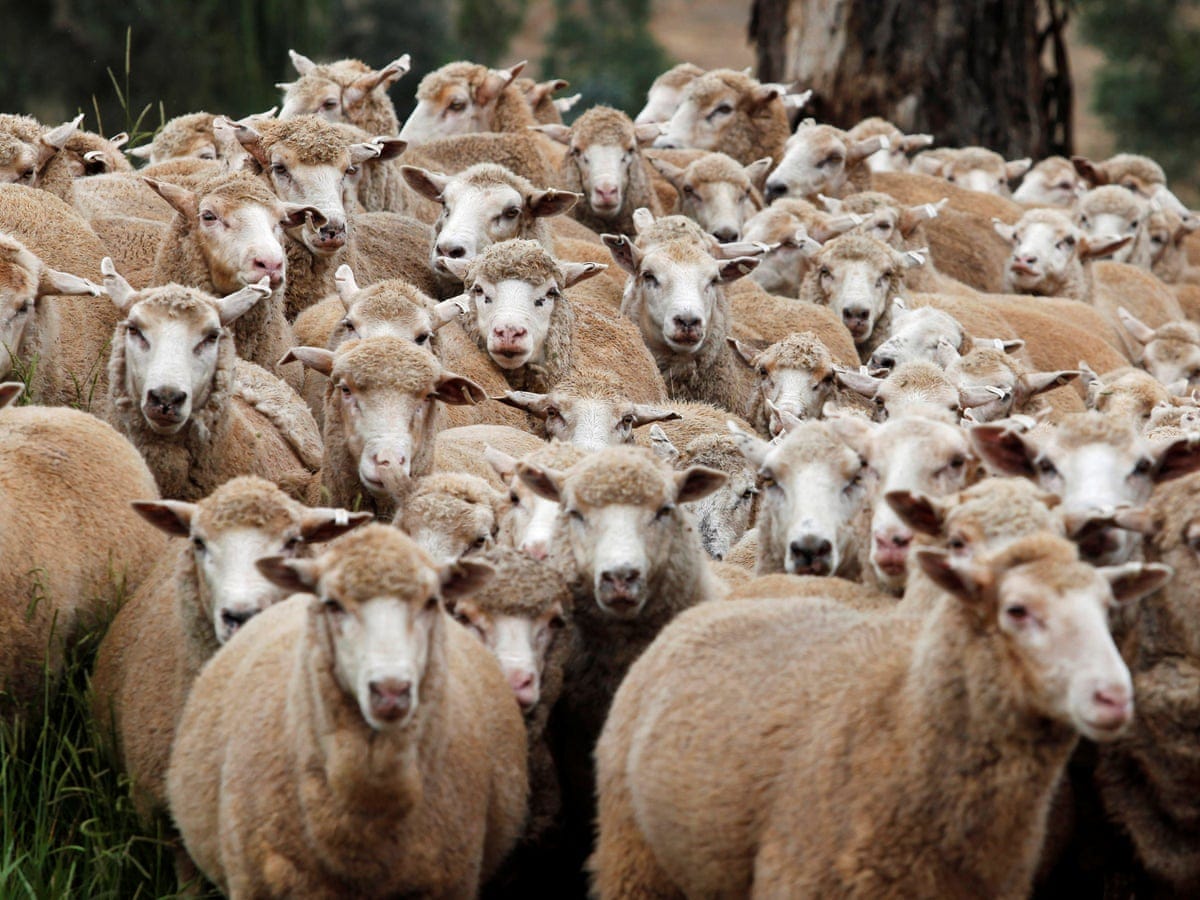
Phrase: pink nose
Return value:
(508, 335)
(888, 539)
(536, 549)
(521, 679)
(607, 194)
(384, 460)
(268, 266)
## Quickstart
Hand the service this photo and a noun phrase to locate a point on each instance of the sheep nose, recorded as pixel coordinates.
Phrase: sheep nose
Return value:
(687, 322)
(726, 235)
(882, 362)
(607, 193)
(521, 679)
(855, 315)
(385, 460)
(166, 399)
(775, 190)
(268, 266)
(810, 555)
(333, 233)
(536, 549)
(452, 249)
(233, 619)
(1028, 260)
(391, 698)
(510, 332)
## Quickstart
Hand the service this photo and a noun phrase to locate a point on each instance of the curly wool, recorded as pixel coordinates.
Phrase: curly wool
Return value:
(375, 114)
(623, 475)
(1140, 167)
(761, 132)
(717, 451)
(24, 128)
(180, 136)
(314, 141)
(522, 585)
(1112, 200)
(799, 350)
(517, 260)
(512, 112)
(385, 363)
(352, 573)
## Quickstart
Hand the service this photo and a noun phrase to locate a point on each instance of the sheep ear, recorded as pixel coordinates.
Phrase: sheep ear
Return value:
(119, 290)
(833, 205)
(250, 140)
(1016, 168)
(858, 150)
(1136, 518)
(927, 164)
(559, 133)
(796, 102)
(295, 216)
(495, 82)
(537, 405)
(913, 216)
(697, 482)
(866, 385)
(574, 272)
(236, 305)
(1004, 450)
(855, 432)
(754, 448)
(53, 281)
(56, 138)
(9, 392)
(970, 397)
(944, 354)
(744, 352)
(642, 219)
(365, 151)
(302, 63)
(184, 202)
(918, 511)
(540, 90)
(1089, 171)
(762, 94)
(389, 147)
(1006, 231)
(757, 172)
(321, 523)
(173, 517)
(661, 446)
(449, 310)
(502, 464)
(669, 171)
(463, 578)
(347, 287)
(1102, 245)
(316, 358)
(1180, 457)
(551, 202)
(566, 104)
(458, 391)
(387, 76)
(623, 250)
(142, 152)
(942, 570)
(648, 132)
(644, 414)
(429, 185)
(296, 575)
(542, 481)
(912, 142)
(1133, 581)
(1138, 330)
(733, 269)
(1034, 383)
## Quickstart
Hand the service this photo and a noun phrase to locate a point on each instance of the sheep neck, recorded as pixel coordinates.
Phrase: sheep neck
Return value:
(193, 610)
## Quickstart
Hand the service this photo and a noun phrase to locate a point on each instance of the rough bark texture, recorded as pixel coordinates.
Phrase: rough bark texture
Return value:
(988, 72)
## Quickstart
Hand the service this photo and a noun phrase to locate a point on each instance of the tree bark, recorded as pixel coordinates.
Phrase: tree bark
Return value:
(986, 72)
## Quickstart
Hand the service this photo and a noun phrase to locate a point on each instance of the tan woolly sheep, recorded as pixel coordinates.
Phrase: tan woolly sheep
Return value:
(718, 192)
(821, 159)
(1107, 211)
(463, 98)
(347, 90)
(1053, 181)
(972, 168)
(666, 93)
(452, 514)
(378, 753)
(1171, 352)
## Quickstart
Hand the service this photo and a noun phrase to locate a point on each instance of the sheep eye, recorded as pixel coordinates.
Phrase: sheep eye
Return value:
(27, 175)
(208, 216)
(689, 190)
(828, 379)
(431, 604)
(1017, 612)
(345, 389)
(23, 308)
(1130, 186)
(422, 338)
(279, 169)
(553, 413)
(198, 545)
(462, 618)
(512, 212)
(513, 498)
(767, 479)
(749, 492)
(663, 511)
(349, 326)
(1047, 468)
(950, 178)
(540, 302)
(1143, 467)
(458, 105)
(329, 104)
(351, 171)
(825, 273)
(292, 545)
(627, 421)
(956, 543)
(649, 280)
(958, 462)
(481, 540)
(477, 290)
(575, 515)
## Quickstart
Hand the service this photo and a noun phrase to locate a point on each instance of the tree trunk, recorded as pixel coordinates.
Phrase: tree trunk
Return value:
(966, 71)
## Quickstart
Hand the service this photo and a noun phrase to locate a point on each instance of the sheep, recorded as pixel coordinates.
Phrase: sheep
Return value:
(347, 90)
(676, 297)
(1052, 182)
(871, 713)
(523, 618)
(718, 192)
(1096, 464)
(55, 234)
(812, 510)
(793, 231)
(382, 414)
(923, 332)
(22, 150)
(529, 523)
(228, 234)
(82, 155)
(893, 157)
(68, 480)
(190, 605)
(452, 514)
(527, 321)
(1145, 779)
(972, 168)
(184, 136)
(1133, 172)
(1168, 234)
(858, 277)
(1019, 389)
(666, 93)
(1052, 257)
(794, 376)
(633, 563)
(464, 98)
(1126, 394)
(29, 319)
(198, 414)
(1170, 352)
(730, 112)
(540, 96)
(918, 388)
(386, 756)
(1112, 210)
(906, 454)
(604, 164)
(821, 159)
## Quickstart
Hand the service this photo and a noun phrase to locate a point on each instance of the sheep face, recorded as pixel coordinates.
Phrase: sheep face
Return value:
(452, 521)
(520, 644)
(459, 98)
(1051, 612)
(327, 187)
(857, 278)
(622, 516)
(385, 309)
(817, 160)
(1052, 182)
(666, 93)
(1048, 250)
(590, 423)
(604, 149)
(242, 243)
(814, 487)
(1113, 210)
(18, 161)
(724, 515)
(917, 335)
(989, 369)
(714, 106)
(1129, 397)
(1174, 356)
(973, 169)
(915, 455)
(721, 195)
(784, 266)
(337, 90)
(514, 318)
(794, 376)
(1096, 466)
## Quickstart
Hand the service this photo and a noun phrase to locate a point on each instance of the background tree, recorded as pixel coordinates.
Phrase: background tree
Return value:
(966, 71)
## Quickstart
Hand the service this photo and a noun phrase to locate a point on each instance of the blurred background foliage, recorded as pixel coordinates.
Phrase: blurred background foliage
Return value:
(187, 55)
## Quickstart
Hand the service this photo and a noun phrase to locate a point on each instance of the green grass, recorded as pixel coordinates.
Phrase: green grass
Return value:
(67, 825)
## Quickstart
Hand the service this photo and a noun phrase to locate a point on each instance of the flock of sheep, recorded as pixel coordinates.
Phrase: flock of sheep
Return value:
(690, 506)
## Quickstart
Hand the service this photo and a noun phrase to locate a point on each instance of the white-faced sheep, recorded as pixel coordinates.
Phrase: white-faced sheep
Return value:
(718, 192)
(1136, 173)
(666, 93)
(1053, 181)
(821, 159)
(1019, 391)
(347, 90)
(198, 414)
(191, 604)
(465, 98)
(972, 168)
(1001, 678)
(893, 157)
(379, 751)
(530, 520)
(68, 479)
(382, 415)
(1170, 353)
(1109, 211)
(452, 514)
(604, 164)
